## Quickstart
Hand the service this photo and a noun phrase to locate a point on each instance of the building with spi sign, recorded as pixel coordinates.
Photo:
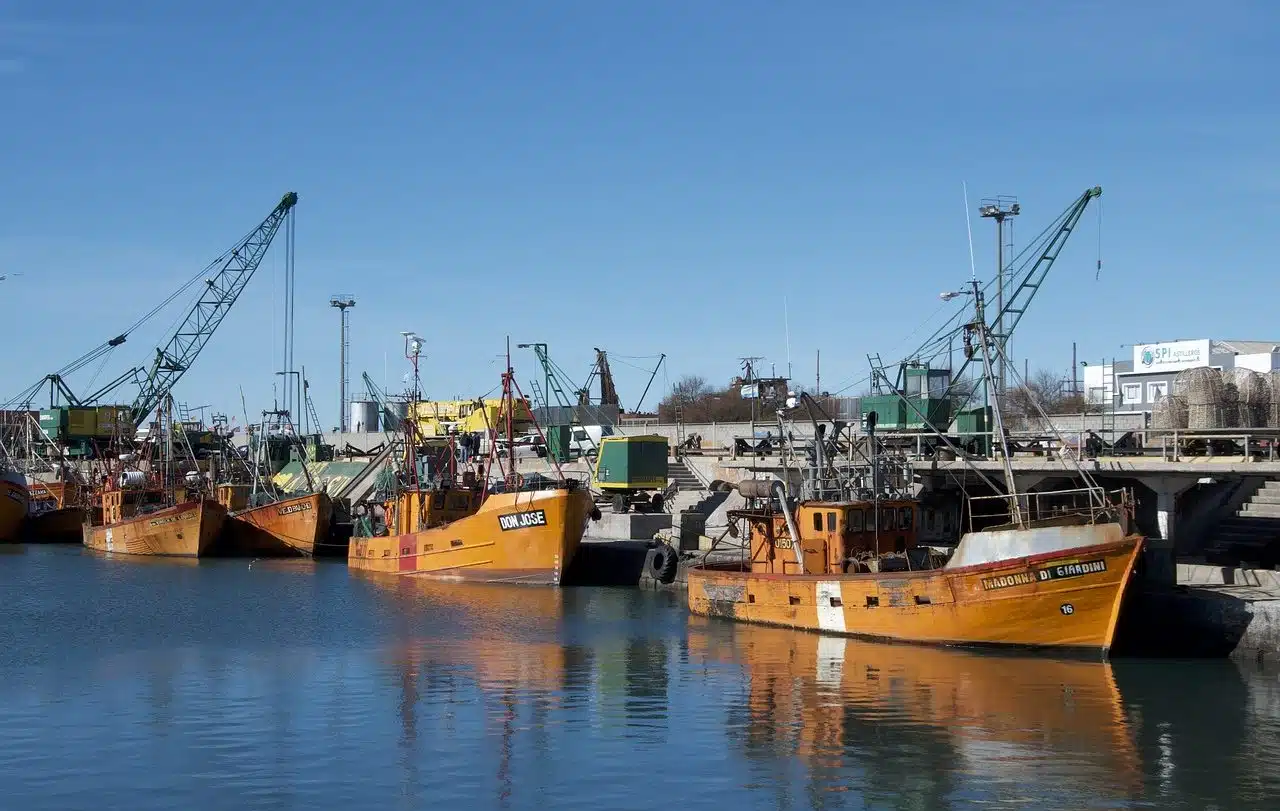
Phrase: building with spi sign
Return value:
(1138, 382)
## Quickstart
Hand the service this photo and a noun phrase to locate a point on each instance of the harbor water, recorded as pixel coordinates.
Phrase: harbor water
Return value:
(154, 684)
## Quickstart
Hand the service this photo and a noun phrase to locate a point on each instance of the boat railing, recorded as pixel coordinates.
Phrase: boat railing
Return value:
(1098, 505)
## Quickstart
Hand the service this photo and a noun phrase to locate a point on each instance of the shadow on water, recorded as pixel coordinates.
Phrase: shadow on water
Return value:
(1208, 731)
(1179, 622)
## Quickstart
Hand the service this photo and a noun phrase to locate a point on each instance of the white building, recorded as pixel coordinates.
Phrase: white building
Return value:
(1138, 383)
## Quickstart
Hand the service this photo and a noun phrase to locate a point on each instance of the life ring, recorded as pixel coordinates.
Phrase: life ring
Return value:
(662, 562)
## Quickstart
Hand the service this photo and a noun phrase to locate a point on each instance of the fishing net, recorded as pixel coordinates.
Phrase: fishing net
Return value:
(1230, 399)
(1253, 397)
(1170, 414)
(1273, 420)
(1201, 387)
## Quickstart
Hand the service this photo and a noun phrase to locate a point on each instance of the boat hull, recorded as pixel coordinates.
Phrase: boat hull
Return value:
(63, 525)
(1068, 600)
(187, 530)
(292, 526)
(14, 501)
(526, 537)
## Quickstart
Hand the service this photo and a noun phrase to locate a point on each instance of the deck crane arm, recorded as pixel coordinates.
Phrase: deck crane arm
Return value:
(384, 403)
(220, 292)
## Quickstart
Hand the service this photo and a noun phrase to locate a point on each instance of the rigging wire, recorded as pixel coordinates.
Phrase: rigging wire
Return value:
(97, 372)
(631, 365)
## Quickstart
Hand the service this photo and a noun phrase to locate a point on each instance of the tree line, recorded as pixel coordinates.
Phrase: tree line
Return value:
(699, 401)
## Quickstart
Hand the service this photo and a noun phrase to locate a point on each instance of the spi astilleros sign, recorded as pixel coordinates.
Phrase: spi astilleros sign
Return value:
(525, 520)
(1170, 357)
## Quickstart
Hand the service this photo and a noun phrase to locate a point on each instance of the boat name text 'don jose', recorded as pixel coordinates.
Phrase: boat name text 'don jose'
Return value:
(533, 518)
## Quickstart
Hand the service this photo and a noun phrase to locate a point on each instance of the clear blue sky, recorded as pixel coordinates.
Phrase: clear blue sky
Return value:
(643, 177)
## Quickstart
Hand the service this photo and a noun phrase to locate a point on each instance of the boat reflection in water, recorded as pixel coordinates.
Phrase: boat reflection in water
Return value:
(900, 720)
(501, 636)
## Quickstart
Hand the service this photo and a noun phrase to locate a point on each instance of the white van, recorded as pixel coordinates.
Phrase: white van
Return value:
(586, 439)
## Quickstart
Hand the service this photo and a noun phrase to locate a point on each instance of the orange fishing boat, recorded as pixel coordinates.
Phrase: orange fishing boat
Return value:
(297, 525)
(1056, 583)
(522, 534)
(190, 529)
(517, 537)
(1051, 572)
(14, 498)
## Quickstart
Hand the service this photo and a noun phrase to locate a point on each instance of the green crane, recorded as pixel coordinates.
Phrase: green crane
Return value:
(223, 281)
(1027, 279)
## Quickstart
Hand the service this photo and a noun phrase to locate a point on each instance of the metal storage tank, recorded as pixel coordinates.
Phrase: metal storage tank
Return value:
(395, 413)
(364, 416)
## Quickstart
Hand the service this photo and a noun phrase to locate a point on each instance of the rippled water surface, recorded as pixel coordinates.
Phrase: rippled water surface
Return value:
(157, 685)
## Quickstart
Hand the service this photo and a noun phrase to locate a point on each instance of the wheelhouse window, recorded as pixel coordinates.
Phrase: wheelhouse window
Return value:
(904, 518)
(817, 521)
(854, 521)
(833, 523)
(886, 519)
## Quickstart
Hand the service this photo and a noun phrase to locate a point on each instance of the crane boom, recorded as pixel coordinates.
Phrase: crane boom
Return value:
(1028, 279)
(221, 291)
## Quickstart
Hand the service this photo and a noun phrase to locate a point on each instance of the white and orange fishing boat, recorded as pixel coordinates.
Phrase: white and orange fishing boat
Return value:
(461, 528)
(1050, 570)
(156, 511)
(1056, 583)
(136, 522)
(14, 501)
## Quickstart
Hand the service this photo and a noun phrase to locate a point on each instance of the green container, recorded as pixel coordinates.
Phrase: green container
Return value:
(559, 442)
(632, 463)
(889, 409)
(53, 423)
(896, 413)
(971, 424)
(973, 420)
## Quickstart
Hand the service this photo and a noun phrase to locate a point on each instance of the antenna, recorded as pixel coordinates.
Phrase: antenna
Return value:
(973, 266)
(786, 325)
(343, 301)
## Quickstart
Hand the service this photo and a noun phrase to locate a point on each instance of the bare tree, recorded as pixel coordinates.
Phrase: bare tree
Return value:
(689, 389)
(1044, 389)
(699, 402)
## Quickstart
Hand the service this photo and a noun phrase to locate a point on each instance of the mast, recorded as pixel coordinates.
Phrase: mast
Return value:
(509, 403)
(984, 343)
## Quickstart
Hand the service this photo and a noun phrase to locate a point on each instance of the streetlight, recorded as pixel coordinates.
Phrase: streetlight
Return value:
(289, 393)
(999, 209)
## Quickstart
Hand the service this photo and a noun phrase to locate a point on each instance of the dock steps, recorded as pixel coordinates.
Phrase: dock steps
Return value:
(685, 479)
(1253, 534)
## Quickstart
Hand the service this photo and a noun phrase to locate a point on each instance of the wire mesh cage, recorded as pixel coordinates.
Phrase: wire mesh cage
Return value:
(1170, 414)
(1202, 389)
(1253, 397)
(1273, 408)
